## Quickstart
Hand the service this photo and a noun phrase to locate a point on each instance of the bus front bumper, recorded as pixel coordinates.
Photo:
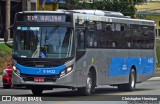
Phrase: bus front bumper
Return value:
(66, 81)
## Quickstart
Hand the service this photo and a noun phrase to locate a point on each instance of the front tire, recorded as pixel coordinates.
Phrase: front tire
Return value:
(87, 90)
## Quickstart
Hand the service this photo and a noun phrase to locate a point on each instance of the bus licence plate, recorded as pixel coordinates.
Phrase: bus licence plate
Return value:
(37, 79)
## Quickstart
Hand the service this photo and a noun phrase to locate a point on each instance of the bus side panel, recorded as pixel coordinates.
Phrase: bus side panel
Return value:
(122, 61)
(100, 60)
(109, 64)
(118, 68)
(148, 63)
(81, 71)
(113, 65)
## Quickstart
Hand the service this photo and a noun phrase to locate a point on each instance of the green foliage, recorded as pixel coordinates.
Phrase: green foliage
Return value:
(5, 56)
(124, 6)
(5, 48)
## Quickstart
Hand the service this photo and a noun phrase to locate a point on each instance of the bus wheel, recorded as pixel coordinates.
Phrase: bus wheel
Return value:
(87, 90)
(37, 91)
(132, 81)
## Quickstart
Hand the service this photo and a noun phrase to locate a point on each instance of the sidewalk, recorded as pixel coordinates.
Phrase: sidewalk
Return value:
(2, 39)
(154, 79)
(9, 41)
(157, 74)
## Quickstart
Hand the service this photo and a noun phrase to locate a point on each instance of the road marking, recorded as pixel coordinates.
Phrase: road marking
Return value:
(62, 102)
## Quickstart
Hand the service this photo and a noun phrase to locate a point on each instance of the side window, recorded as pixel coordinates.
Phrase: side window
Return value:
(120, 36)
(151, 41)
(101, 36)
(136, 36)
(110, 35)
(80, 39)
(128, 36)
(145, 37)
(91, 35)
(105, 35)
(148, 37)
(133, 36)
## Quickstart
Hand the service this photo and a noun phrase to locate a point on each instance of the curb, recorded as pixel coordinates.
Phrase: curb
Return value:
(7, 42)
(154, 79)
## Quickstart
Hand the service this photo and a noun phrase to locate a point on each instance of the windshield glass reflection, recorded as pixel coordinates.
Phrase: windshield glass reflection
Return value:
(43, 42)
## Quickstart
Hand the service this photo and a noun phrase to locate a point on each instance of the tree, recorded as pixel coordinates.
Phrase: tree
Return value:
(70, 4)
(127, 7)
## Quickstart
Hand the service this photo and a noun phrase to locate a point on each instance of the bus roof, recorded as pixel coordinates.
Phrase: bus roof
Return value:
(91, 12)
(41, 12)
(114, 16)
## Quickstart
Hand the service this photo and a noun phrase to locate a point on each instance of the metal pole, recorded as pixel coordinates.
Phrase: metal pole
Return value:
(28, 5)
(8, 4)
(43, 5)
(68, 7)
(24, 5)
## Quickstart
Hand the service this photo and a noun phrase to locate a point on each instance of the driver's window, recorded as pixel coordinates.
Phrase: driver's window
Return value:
(80, 39)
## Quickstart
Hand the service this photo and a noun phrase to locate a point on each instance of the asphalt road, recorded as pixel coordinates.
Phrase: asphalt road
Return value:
(103, 94)
(145, 88)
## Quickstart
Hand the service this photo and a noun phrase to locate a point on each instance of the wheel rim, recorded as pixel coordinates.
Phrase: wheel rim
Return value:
(89, 84)
(132, 80)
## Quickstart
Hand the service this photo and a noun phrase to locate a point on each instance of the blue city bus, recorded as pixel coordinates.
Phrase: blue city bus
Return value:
(81, 49)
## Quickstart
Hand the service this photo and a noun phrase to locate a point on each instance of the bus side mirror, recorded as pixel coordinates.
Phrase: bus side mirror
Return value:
(6, 33)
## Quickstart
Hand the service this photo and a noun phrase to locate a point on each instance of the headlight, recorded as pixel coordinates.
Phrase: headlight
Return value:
(16, 70)
(66, 71)
(62, 73)
(5, 72)
(69, 69)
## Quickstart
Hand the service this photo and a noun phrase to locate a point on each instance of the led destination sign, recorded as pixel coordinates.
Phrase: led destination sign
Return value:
(43, 18)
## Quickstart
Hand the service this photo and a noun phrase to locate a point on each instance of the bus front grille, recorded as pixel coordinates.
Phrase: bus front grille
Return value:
(46, 78)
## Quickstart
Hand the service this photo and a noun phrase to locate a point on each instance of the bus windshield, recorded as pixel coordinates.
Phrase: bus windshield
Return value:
(43, 42)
